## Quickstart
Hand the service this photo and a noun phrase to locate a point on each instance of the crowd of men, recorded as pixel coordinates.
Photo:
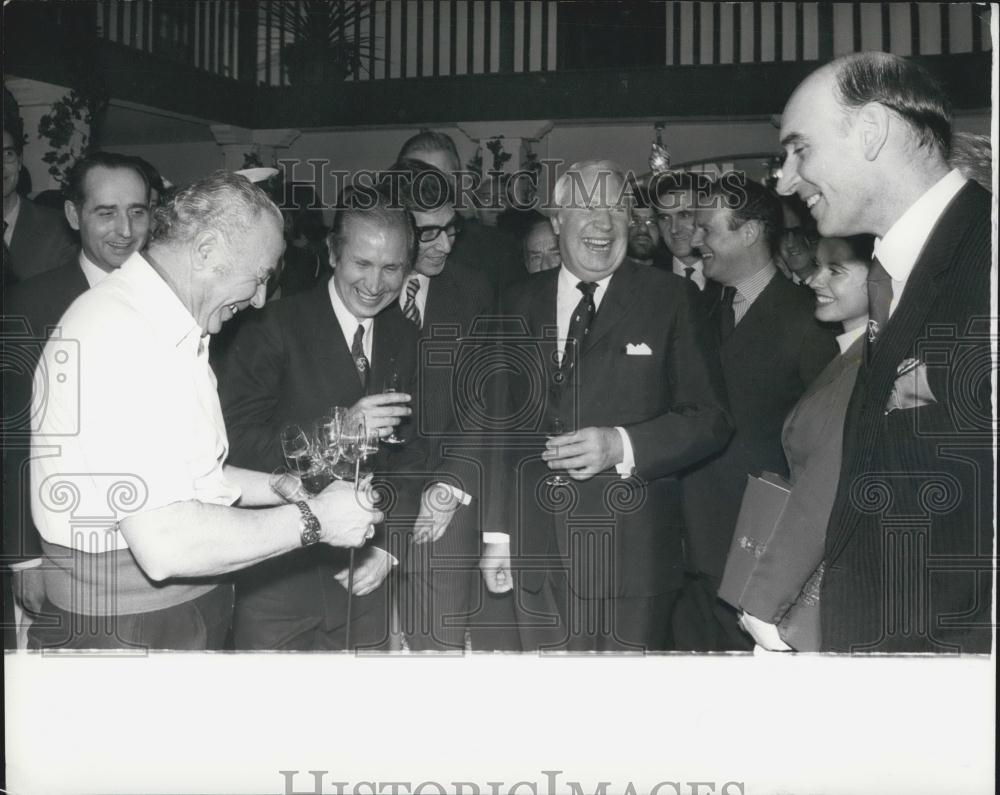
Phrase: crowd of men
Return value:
(579, 403)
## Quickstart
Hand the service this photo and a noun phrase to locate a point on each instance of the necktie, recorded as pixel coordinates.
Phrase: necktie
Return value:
(360, 360)
(879, 299)
(688, 270)
(579, 325)
(410, 309)
(727, 316)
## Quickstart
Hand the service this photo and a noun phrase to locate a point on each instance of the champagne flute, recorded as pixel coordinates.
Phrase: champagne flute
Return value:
(296, 448)
(351, 442)
(286, 485)
(392, 384)
(556, 428)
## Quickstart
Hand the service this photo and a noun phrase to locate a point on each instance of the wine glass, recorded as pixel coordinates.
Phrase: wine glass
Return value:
(296, 448)
(286, 485)
(351, 441)
(556, 428)
(392, 384)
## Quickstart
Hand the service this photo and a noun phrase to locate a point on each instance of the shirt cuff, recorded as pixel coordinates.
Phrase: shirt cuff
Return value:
(491, 537)
(627, 465)
(766, 632)
(21, 565)
(456, 492)
(395, 561)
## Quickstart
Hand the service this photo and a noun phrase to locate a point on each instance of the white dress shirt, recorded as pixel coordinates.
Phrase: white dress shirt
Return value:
(349, 324)
(899, 250)
(93, 274)
(697, 276)
(11, 220)
(126, 416)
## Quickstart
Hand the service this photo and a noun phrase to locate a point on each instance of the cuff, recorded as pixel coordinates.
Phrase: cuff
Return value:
(762, 630)
(496, 538)
(627, 465)
(21, 565)
(457, 493)
(393, 558)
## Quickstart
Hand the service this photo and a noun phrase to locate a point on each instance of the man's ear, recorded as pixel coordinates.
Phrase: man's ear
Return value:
(205, 249)
(554, 220)
(72, 217)
(751, 233)
(872, 128)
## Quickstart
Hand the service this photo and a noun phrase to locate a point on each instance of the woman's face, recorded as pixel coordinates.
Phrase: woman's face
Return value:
(840, 283)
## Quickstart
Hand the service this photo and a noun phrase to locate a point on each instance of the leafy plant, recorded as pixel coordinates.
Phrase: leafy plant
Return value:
(495, 145)
(324, 44)
(59, 127)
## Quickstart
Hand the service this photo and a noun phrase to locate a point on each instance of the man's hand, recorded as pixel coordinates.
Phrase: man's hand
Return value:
(383, 411)
(495, 566)
(370, 570)
(29, 589)
(347, 518)
(584, 453)
(437, 505)
(765, 634)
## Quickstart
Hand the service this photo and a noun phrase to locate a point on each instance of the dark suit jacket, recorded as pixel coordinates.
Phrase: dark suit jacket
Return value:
(41, 241)
(31, 309)
(916, 487)
(290, 363)
(770, 358)
(489, 251)
(617, 537)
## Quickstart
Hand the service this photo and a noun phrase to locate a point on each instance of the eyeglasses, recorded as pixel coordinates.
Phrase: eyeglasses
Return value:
(430, 233)
(634, 222)
(9, 155)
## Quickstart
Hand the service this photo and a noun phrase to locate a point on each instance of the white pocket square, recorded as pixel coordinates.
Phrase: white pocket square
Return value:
(642, 349)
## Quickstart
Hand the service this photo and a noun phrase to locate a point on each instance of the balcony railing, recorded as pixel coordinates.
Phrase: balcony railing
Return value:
(439, 38)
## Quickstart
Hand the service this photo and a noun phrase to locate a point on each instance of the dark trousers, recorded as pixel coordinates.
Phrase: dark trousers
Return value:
(703, 622)
(198, 625)
(255, 628)
(557, 619)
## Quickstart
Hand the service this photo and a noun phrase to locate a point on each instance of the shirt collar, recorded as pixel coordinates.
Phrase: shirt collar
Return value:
(568, 283)
(680, 265)
(15, 211)
(902, 244)
(845, 340)
(92, 272)
(160, 304)
(348, 323)
(754, 285)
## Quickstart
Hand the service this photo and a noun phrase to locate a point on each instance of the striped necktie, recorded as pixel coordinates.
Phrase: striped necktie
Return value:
(410, 309)
(879, 300)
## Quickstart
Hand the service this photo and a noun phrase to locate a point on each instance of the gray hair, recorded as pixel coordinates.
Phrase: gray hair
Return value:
(571, 192)
(224, 202)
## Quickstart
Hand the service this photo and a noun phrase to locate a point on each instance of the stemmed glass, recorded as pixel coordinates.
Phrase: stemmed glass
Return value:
(556, 428)
(352, 442)
(302, 458)
(392, 384)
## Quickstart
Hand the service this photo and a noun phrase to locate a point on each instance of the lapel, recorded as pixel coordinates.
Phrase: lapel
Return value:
(443, 295)
(385, 346)
(906, 325)
(761, 314)
(333, 351)
(542, 306)
(615, 305)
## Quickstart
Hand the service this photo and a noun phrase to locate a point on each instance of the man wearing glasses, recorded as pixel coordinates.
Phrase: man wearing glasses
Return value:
(644, 246)
(440, 297)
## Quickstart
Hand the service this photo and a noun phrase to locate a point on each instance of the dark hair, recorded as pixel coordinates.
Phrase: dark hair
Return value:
(153, 178)
(861, 245)
(749, 201)
(904, 87)
(374, 206)
(308, 223)
(804, 235)
(429, 141)
(417, 186)
(972, 155)
(73, 188)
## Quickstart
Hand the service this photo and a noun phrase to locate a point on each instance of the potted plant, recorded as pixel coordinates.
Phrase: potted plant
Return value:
(325, 48)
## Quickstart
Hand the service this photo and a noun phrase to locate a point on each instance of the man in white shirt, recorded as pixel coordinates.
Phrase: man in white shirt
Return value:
(131, 494)
(108, 204)
(866, 142)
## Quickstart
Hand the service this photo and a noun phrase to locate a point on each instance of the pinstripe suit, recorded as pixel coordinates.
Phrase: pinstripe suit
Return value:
(908, 563)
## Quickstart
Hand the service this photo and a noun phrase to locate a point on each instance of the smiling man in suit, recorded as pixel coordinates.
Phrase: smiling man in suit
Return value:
(636, 382)
(335, 345)
(866, 142)
(772, 348)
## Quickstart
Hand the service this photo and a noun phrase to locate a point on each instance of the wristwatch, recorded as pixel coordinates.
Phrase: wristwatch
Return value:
(310, 525)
